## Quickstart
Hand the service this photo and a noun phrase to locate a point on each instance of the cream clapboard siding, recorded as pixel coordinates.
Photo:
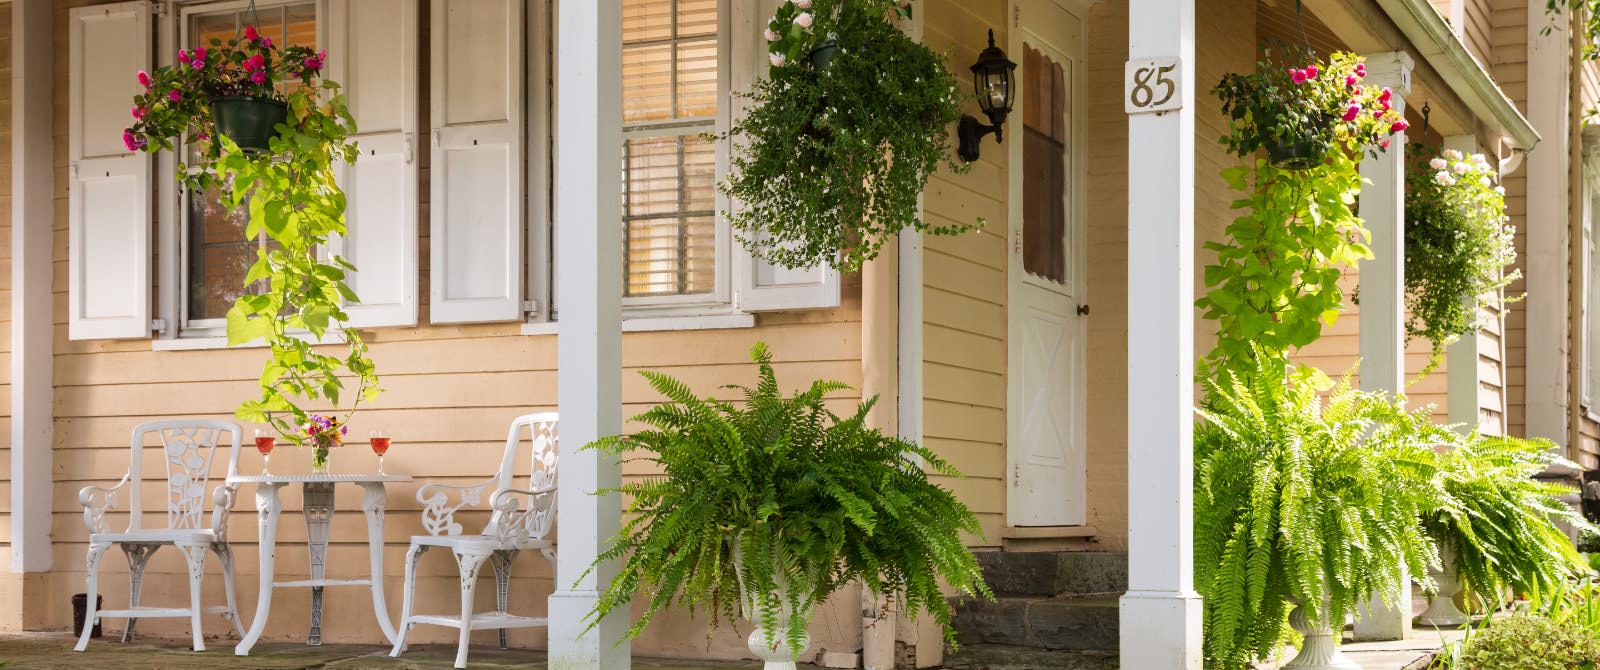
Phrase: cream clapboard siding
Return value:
(964, 291)
(5, 289)
(450, 392)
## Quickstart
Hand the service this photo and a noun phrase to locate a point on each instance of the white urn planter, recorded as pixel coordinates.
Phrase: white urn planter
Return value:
(775, 654)
(1320, 650)
(1442, 611)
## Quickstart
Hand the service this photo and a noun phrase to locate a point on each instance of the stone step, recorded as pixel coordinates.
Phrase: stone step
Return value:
(999, 657)
(1085, 623)
(1054, 573)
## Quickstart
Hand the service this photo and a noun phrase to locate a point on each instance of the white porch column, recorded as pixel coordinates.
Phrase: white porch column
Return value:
(32, 214)
(1383, 309)
(589, 331)
(1461, 359)
(1160, 613)
(1546, 227)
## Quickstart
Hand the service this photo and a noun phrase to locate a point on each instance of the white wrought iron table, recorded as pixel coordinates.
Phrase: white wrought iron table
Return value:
(318, 510)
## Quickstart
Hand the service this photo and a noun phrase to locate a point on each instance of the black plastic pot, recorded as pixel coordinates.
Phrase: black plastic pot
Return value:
(822, 55)
(1293, 154)
(80, 608)
(249, 122)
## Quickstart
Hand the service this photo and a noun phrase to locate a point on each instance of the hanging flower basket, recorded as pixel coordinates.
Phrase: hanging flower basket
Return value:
(822, 55)
(1298, 154)
(250, 122)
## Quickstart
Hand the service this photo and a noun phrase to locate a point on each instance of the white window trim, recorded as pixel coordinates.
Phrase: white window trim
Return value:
(671, 311)
(1589, 383)
(172, 30)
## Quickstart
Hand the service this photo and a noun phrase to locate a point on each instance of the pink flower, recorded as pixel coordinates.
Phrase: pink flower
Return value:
(259, 76)
(1297, 76)
(138, 112)
(128, 141)
(144, 79)
(1383, 143)
(312, 63)
(1311, 71)
(777, 59)
(202, 137)
(198, 57)
(174, 95)
(1351, 112)
(1385, 104)
(803, 4)
(255, 62)
(1399, 126)
(804, 20)
(266, 42)
(183, 56)
(1361, 69)
(1385, 94)
(1351, 80)
(770, 35)
(1377, 113)
(250, 33)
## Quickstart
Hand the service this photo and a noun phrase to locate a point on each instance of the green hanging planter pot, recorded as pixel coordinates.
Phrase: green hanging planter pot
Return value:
(822, 55)
(249, 122)
(1293, 154)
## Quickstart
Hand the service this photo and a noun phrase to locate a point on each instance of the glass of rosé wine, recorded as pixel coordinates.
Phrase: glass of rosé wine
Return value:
(265, 441)
(380, 445)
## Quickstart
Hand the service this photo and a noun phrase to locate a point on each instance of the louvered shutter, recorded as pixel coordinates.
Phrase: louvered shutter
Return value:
(476, 199)
(373, 50)
(109, 195)
(763, 286)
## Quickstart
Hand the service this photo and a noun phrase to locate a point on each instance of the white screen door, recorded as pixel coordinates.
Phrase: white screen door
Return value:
(1045, 279)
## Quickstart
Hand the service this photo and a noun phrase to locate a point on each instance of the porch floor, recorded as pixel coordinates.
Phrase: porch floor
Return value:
(54, 650)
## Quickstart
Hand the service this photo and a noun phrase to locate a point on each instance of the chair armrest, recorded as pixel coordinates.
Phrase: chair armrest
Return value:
(96, 502)
(512, 525)
(438, 515)
(222, 499)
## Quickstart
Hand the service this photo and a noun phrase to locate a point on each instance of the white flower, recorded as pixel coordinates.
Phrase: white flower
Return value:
(1452, 154)
(1438, 163)
(1500, 190)
(1444, 178)
(1478, 159)
(777, 59)
(1460, 168)
(804, 20)
(770, 35)
(803, 4)
(1484, 182)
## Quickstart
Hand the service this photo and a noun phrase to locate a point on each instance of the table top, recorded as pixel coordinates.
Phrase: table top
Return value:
(372, 478)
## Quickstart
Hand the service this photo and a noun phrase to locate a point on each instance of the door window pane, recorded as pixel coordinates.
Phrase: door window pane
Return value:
(1044, 157)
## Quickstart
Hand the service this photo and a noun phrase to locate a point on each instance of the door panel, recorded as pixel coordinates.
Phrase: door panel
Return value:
(1045, 348)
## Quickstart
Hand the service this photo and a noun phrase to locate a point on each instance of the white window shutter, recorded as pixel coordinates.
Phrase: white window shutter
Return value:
(109, 193)
(373, 48)
(762, 286)
(476, 169)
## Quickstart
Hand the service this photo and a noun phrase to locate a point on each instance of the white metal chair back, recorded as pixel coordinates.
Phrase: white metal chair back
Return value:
(188, 448)
(527, 513)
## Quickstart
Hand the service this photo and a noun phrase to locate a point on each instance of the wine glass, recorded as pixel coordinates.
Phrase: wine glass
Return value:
(265, 441)
(380, 445)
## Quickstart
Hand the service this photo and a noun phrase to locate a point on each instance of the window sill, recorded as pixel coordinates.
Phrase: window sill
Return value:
(640, 324)
(206, 342)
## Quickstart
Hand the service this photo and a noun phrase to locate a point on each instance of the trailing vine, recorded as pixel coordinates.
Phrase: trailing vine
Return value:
(1459, 248)
(830, 162)
(292, 200)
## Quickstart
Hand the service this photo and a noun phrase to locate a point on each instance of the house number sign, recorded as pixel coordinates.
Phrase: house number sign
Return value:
(1153, 86)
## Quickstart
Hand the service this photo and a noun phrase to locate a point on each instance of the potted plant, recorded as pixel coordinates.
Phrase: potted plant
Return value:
(1307, 498)
(287, 185)
(768, 506)
(1299, 109)
(841, 136)
(1460, 247)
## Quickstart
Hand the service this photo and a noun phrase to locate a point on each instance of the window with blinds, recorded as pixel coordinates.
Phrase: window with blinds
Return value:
(217, 256)
(670, 58)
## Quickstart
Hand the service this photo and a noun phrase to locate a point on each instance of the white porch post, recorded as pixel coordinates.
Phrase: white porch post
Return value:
(1383, 329)
(1546, 227)
(1161, 614)
(589, 331)
(32, 214)
(1461, 359)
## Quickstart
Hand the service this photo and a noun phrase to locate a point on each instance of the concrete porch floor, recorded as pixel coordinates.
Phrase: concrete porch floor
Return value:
(32, 651)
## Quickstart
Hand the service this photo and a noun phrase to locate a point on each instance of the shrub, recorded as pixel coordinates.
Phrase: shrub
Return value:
(1526, 642)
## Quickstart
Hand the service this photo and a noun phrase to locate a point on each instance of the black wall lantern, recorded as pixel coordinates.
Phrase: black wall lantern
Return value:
(991, 77)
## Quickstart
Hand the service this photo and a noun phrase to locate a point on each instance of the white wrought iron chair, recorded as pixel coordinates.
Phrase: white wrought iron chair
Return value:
(521, 520)
(188, 447)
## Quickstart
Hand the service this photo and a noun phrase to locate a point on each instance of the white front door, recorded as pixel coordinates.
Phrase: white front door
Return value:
(1045, 341)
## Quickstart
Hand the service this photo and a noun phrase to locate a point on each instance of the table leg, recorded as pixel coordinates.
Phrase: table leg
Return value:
(373, 505)
(267, 508)
(318, 508)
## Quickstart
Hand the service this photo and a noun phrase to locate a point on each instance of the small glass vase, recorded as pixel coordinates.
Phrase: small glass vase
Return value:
(319, 459)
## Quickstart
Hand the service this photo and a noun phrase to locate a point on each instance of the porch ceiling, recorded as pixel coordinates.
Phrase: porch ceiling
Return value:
(1462, 93)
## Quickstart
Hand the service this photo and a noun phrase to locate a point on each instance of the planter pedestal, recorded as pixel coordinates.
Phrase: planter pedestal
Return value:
(1442, 611)
(1320, 651)
(775, 654)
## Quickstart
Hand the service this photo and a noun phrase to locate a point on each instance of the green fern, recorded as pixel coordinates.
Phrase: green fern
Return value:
(814, 500)
(1301, 497)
